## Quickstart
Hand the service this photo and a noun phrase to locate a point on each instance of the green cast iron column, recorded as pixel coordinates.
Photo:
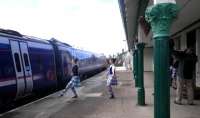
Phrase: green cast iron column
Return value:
(135, 66)
(140, 90)
(161, 16)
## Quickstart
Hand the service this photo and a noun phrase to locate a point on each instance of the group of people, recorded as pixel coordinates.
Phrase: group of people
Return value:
(75, 80)
(183, 74)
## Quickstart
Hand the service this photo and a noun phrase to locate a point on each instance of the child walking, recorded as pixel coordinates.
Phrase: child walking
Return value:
(110, 76)
(75, 80)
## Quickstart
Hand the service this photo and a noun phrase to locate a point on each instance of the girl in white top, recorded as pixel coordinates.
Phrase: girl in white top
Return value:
(110, 75)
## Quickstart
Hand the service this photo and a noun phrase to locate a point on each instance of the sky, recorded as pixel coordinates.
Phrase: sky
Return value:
(93, 25)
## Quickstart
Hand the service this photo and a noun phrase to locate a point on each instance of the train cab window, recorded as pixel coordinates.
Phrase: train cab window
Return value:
(17, 61)
(26, 59)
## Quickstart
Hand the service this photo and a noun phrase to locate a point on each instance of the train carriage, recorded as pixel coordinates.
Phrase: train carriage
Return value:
(31, 65)
(42, 58)
(64, 55)
(27, 66)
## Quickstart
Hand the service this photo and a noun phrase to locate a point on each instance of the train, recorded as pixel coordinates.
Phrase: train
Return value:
(31, 65)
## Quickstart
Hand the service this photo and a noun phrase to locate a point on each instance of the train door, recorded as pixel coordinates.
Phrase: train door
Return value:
(27, 67)
(22, 67)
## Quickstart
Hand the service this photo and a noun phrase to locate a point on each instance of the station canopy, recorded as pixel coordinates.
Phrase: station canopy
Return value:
(132, 10)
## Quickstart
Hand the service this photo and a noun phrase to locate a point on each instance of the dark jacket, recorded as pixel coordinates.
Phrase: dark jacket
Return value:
(75, 70)
(189, 66)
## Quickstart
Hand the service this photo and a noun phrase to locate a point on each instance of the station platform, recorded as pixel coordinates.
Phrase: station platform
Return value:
(94, 102)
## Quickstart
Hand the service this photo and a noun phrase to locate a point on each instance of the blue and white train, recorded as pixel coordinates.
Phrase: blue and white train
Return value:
(31, 65)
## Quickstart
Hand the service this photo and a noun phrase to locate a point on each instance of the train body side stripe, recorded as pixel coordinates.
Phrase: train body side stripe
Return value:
(7, 83)
(37, 77)
(13, 81)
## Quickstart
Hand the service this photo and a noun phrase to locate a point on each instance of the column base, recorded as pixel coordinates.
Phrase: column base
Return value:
(141, 96)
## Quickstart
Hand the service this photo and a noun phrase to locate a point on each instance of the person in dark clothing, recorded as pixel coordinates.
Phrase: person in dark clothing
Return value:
(173, 71)
(172, 62)
(189, 64)
(186, 69)
(75, 80)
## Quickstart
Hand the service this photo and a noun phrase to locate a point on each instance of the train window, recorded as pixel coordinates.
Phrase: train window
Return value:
(17, 61)
(39, 63)
(26, 59)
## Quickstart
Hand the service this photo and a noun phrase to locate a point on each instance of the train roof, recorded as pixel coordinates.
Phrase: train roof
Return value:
(35, 39)
(59, 42)
(17, 35)
(10, 32)
(90, 53)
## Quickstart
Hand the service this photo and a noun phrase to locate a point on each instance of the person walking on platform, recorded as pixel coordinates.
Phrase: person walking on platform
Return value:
(111, 75)
(173, 71)
(75, 80)
(186, 70)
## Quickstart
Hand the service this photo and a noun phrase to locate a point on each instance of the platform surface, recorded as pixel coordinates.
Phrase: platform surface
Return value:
(94, 102)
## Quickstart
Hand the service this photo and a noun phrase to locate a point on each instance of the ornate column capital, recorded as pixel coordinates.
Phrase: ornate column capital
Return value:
(161, 16)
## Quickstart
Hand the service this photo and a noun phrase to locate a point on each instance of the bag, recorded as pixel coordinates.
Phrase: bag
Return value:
(114, 81)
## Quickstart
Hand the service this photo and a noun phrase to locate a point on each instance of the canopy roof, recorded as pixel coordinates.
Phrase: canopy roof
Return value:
(131, 10)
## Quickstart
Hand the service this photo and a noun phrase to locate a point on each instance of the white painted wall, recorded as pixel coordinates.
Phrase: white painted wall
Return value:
(148, 59)
(177, 43)
(183, 41)
(164, 1)
(147, 39)
(148, 50)
(128, 60)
